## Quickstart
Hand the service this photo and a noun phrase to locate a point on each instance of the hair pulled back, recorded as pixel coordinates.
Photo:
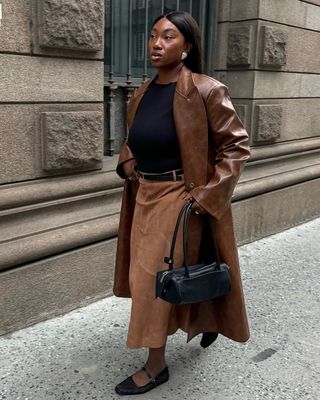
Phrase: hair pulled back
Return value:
(190, 30)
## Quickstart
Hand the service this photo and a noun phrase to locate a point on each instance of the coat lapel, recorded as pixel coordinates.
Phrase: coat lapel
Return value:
(192, 129)
(191, 125)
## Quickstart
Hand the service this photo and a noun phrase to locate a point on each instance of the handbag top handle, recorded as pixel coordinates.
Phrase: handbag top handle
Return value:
(169, 260)
(185, 212)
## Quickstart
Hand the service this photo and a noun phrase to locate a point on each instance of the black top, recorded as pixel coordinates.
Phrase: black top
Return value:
(152, 137)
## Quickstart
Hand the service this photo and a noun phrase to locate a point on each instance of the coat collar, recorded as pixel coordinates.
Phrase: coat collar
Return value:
(185, 83)
(185, 86)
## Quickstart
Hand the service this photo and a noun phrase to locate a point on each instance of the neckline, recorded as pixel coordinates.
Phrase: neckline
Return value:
(164, 84)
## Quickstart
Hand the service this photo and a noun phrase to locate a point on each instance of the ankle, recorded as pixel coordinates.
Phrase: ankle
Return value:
(156, 361)
(154, 367)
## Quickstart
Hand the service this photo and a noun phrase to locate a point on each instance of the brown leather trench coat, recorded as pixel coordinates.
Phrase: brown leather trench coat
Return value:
(214, 147)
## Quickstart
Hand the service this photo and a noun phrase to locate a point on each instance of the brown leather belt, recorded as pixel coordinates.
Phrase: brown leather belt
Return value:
(175, 175)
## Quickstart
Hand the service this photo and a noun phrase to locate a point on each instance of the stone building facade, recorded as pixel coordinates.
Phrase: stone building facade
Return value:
(59, 195)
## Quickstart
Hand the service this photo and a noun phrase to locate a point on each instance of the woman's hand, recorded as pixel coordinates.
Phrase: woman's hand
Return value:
(196, 208)
(130, 172)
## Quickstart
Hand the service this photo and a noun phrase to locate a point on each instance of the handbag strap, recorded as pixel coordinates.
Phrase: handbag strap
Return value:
(212, 242)
(169, 260)
(185, 238)
(185, 213)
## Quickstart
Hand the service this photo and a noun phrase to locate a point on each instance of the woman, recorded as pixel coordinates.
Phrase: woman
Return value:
(185, 142)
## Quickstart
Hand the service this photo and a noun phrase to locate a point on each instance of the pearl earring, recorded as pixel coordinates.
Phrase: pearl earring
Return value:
(184, 55)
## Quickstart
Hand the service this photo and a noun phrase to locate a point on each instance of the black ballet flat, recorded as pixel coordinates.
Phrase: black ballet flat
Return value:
(129, 387)
(208, 338)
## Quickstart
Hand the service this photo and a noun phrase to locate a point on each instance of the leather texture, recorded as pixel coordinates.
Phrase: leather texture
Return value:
(214, 147)
(191, 283)
(128, 387)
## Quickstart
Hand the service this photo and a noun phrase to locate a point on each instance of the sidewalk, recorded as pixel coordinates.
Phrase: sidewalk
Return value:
(82, 355)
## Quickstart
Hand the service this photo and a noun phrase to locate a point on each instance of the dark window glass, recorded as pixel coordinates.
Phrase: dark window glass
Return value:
(128, 23)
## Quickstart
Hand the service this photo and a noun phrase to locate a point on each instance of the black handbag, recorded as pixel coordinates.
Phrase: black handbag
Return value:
(192, 283)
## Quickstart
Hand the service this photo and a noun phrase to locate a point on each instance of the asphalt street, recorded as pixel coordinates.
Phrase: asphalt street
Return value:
(82, 355)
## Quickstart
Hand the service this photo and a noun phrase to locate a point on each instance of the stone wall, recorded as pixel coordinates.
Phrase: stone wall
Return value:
(51, 69)
(59, 201)
(268, 55)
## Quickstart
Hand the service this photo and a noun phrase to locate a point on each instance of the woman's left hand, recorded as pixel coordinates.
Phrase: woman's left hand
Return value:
(196, 208)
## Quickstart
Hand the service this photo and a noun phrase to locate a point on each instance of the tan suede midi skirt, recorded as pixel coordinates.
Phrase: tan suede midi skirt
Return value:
(157, 207)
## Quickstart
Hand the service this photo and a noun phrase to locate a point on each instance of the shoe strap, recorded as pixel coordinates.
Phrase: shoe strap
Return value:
(152, 379)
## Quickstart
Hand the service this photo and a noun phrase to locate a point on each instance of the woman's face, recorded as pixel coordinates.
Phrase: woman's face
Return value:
(166, 44)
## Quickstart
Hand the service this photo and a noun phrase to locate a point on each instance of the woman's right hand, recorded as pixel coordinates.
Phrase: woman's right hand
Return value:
(130, 172)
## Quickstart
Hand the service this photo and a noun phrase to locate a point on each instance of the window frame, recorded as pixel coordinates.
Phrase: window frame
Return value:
(208, 32)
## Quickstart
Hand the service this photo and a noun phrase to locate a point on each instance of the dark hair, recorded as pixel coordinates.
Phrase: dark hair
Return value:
(190, 30)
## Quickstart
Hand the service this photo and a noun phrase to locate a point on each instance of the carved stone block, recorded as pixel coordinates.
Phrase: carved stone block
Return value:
(239, 45)
(72, 139)
(71, 24)
(274, 46)
(268, 125)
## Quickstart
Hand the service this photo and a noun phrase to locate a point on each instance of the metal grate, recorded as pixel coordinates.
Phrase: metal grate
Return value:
(127, 27)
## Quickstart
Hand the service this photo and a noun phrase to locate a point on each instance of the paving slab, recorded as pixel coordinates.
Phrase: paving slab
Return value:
(82, 355)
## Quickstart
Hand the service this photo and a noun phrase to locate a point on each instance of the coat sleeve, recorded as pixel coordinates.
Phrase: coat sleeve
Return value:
(230, 151)
(124, 156)
(125, 152)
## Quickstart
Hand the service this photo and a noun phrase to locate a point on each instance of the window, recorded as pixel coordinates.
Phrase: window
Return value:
(127, 27)
(128, 23)
(138, 4)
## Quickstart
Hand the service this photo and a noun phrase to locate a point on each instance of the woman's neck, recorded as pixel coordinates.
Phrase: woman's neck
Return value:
(168, 75)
